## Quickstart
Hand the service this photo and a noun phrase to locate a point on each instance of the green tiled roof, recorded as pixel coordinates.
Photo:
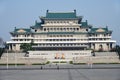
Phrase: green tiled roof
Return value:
(27, 30)
(37, 25)
(61, 15)
(85, 24)
(21, 31)
(100, 30)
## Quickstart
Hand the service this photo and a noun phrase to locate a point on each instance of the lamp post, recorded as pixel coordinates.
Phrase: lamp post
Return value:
(7, 60)
(6, 48)
(15, 60)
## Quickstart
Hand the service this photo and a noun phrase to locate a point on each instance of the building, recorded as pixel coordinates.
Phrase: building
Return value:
(61, 35)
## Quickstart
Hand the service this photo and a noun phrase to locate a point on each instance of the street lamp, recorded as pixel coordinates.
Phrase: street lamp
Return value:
(6, 47)
(7, 60)
(15, 60)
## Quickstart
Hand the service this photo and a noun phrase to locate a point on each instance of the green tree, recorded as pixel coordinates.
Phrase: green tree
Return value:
(26, 47)
(1, 51)
(116, 49)
(2, 47)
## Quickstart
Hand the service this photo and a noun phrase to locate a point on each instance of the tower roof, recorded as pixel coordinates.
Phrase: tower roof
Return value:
(62, 15)
(100, 30)
(21, 31)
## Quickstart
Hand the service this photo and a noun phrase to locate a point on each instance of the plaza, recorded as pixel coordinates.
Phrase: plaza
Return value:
(98, 73)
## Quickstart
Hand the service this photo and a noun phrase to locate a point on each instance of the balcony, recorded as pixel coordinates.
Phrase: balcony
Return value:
(60, 41)
(102, 41)
(59, 46)
(9, 42)
(21, 37)
(101, 37)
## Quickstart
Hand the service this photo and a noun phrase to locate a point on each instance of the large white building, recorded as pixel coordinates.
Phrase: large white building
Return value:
(62, 35)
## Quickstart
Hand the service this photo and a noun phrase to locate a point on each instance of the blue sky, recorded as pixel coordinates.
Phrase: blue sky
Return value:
(23, 13)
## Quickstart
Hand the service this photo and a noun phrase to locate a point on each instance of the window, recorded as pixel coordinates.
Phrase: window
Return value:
(50, 35)
(100, 39)
(57, 28)
(60, 35)
(96, 35)
(65, 29)
(74, 28)
(104, 34)
(70, 28)
(61, 29)
(35, 30)
(57, 35)
(86, 29)
(77, 29)
(71, 35)
(44, 29)
(64, 39)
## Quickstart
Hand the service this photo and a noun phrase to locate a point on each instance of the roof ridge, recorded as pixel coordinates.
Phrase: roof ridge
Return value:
(22, 28)
(61, 12)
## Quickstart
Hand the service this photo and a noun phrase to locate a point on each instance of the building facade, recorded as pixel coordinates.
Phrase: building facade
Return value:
(60, 33)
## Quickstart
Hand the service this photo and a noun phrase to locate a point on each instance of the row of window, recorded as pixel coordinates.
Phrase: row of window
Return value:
(100, 35)
(59, 39)
(61, 22)
(56, 35)
(75, 44)
(22, 40)
(99, 39)
(62, 40)
(28, 35)
(61, 29)
(60, 35)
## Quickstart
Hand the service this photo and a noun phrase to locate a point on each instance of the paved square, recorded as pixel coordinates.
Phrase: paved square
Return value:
(62, 74)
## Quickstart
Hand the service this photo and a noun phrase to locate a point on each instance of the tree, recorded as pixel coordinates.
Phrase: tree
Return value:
(1, 43)
(116, 49)
(1, 51)
(26, 47)
(2, 46)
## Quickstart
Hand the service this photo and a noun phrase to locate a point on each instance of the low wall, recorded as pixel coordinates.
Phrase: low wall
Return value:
(101, 59)
(22, 60)
(74, 56)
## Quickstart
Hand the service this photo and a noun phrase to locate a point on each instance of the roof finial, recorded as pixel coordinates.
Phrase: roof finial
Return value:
(106, 26)
(15, 27)
(47, 10)
(35, 21)
(74, 10)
